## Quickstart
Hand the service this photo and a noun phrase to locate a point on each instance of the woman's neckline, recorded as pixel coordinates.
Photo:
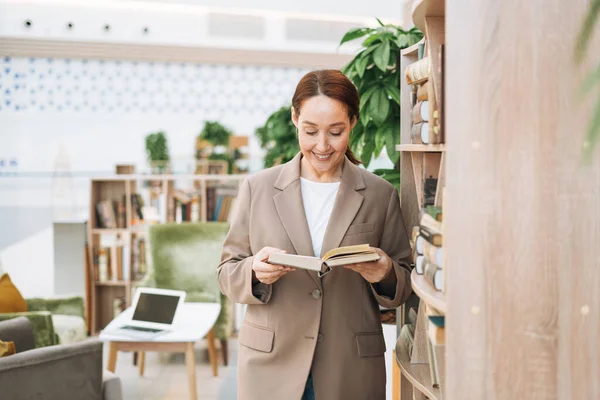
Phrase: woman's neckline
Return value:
(319, 183)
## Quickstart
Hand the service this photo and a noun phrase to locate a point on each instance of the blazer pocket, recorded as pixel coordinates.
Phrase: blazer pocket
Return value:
(370, 344)
(257, 338)
(360, 228)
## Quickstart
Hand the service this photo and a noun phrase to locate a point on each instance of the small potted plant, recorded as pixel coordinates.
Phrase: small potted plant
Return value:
(216, 135)
(157, 151)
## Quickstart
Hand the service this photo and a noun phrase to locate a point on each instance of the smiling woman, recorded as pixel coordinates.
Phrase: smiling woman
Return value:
(299, 325)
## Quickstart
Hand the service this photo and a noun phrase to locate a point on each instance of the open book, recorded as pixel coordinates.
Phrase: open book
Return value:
(335, 257)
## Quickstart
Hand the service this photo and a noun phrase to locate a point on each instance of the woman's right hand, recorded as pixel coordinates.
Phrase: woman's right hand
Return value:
(268, 273)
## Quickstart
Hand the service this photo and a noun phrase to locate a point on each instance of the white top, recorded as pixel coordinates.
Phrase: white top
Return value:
(318, 199)
(192, 322)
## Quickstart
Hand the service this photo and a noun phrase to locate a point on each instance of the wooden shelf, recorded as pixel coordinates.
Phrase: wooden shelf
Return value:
(427, 8)
(412, 50)
(112, 283)
(427, 293)
(106, 231)
(427, 148)
(417, 374)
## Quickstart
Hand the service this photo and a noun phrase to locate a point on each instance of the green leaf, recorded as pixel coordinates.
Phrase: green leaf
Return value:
(361, 65)
(392, 137)
(367, 150)
(368, 42)
(380, 23)
(355, 34)
(402, 41)
(379, 142)
(364, 119)
(382, 55)
(585, 34)
(593, 130)
(366, 96)
(348, 68)
(590, 81)
(394, 93)
(379, 107)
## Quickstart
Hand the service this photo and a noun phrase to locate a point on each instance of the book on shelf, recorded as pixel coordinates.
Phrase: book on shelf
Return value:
(423, 91)
(431, 230)
(420, 263)
(429, 191)
(106, 215)
(420, 112)
(437, 334)
(407, 335)
(433, 274)
(419, 133)
(336, 257)
(418, 71)
(433, 254)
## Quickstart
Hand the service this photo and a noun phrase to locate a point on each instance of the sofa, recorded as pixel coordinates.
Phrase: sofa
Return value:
(55, 372)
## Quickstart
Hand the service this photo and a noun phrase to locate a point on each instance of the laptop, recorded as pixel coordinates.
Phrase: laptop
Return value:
(154, 311)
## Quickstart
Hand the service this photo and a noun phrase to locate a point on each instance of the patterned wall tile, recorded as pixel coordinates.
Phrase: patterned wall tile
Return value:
(60, 85)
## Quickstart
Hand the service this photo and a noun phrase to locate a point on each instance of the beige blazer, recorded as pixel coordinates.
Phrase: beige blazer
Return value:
(329, 325)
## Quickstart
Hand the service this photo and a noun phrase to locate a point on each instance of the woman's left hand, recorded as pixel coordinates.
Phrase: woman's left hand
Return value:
(374, 271)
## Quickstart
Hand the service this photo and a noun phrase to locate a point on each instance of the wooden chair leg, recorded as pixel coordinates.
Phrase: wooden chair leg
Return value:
(212, 351)
(225, 350)
(142, 362)
(135, 358)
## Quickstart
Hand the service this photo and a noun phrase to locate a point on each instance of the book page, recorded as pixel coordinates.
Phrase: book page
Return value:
(359, 248)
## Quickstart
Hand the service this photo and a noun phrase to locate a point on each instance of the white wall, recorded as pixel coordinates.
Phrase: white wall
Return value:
(381, 8)
(30, 264)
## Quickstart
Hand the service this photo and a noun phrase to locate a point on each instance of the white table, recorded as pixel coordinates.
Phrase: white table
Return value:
(193, 322)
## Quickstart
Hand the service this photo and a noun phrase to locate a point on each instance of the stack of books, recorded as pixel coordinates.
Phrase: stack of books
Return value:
(425, 121)
(427, 250)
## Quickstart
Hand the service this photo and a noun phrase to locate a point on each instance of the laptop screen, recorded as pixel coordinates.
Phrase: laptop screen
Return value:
(159, 308)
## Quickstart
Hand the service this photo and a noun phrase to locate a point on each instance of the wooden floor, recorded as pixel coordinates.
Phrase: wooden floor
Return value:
(165, 376)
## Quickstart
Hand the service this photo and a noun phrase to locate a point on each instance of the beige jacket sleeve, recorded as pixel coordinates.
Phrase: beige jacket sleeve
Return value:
(235, 271)
(395, 243)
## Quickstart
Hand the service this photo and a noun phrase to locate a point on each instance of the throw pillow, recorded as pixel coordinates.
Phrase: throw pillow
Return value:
(7, 348)
(11, 299)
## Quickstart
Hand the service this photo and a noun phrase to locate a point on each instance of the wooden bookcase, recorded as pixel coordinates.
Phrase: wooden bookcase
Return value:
(411, 375)
(103, 292)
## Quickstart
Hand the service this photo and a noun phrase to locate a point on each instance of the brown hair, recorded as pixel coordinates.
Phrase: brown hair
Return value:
(334, 84)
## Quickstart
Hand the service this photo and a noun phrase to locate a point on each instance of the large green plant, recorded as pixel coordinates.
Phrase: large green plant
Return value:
(215, 134)
(278, 136)
(157, 148)
(593, 79)
(375, 71)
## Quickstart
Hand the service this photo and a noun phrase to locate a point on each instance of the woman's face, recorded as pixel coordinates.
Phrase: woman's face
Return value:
(323, 132)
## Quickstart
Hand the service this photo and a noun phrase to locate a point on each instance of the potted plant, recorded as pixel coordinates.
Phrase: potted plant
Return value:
(157, 151)
(278, 137)
(376, 74)
(216, 135)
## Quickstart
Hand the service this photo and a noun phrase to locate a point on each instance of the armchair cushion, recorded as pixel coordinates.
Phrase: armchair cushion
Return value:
(69, 328)
(43, 328)
(73, 305)
(11, 299)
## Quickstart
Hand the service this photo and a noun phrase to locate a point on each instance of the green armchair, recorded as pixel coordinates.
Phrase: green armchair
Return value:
(185, 257)
(55, 321)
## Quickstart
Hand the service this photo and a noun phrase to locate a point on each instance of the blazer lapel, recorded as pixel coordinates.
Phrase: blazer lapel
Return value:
(347, 203)
(290, 209)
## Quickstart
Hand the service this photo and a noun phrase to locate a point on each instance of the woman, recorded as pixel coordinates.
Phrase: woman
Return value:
(306, 337)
